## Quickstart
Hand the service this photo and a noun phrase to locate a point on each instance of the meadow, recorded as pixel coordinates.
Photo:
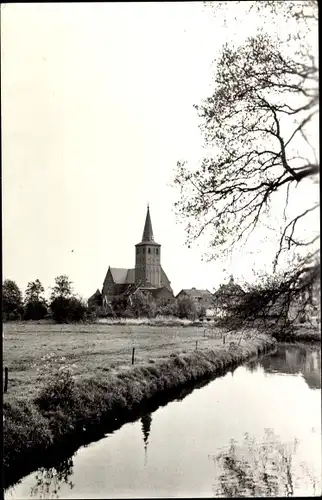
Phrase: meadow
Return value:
(94, 349)
(45, 411)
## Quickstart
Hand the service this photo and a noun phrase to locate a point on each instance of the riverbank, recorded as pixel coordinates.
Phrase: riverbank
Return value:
(67, 411)
(93, 349)
(299, 333)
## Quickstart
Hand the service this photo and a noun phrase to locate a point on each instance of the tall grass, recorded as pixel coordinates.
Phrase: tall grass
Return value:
(66, 410)
(158, 320)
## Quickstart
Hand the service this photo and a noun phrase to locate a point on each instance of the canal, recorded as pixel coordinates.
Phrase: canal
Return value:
(254, 432)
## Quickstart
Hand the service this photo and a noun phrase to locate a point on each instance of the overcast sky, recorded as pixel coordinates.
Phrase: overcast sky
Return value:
(97, 108)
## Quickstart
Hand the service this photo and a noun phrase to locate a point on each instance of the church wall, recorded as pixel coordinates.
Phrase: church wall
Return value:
(108, 285)
(164, 282)
(163, 293)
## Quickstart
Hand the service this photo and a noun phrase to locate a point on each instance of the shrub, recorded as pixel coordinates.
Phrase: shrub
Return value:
(99, 311)
(128, 313)
(119, 305)
(66, 310)
(202, 313)
(186, 308)
(167, 307)
(35, 310)
(91, 314)
(142, 304)
(58, 392)
(24, 429)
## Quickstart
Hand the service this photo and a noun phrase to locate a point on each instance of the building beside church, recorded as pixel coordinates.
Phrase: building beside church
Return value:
(147, 275)
(201, 298)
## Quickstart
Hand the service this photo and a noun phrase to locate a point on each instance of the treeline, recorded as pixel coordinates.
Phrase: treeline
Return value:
(143, 304)
(64, 306)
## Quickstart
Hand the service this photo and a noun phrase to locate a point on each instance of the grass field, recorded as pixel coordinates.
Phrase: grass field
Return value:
(94, 348)
(45, 411)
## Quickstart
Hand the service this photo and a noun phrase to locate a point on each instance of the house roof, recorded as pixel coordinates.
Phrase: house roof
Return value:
(194, 292)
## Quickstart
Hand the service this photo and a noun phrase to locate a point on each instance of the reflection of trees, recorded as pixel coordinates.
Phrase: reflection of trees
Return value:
(293, 359)
(257, 469)
(252, 365)
(49, 480)
(146, 426)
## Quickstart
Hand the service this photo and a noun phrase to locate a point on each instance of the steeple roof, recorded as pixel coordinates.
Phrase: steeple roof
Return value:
(148, 232)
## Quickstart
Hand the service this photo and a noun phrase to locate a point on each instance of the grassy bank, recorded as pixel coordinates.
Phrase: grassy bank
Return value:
(63, 413)
(301, 333)
(157, 321)
(94, 349)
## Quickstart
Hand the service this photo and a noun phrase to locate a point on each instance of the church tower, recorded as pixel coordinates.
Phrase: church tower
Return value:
(148, 257)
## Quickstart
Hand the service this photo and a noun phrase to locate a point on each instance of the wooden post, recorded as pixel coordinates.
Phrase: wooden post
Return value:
(133, 355)
(5, 379)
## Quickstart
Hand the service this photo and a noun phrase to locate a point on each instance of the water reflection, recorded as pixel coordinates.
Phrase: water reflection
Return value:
(252, 365)
(146, 426)
(254, 469)
(224, 419)
(293, 359)
(49, 481)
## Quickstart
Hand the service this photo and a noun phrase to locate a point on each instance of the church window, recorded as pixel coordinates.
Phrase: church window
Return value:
(143, 249)
(157, 251)
(149, 250)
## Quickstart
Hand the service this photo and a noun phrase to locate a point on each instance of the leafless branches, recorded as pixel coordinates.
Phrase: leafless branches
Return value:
(258, 122)
(253, 121)
(277, 303)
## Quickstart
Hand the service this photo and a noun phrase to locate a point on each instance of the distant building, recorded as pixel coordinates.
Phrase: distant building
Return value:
(227, 294)
(147, 275)
(95, 299)
(201, 298)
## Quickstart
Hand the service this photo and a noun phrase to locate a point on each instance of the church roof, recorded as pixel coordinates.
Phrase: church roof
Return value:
(147, 231)
(165, 280)
(130, 277)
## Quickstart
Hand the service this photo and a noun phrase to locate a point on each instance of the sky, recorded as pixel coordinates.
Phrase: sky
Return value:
(97, 108)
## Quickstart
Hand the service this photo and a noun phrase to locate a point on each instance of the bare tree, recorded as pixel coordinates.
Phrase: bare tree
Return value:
(258, 123)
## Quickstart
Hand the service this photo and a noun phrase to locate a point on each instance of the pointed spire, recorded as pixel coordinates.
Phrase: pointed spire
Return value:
(147, 232)
(146, 427)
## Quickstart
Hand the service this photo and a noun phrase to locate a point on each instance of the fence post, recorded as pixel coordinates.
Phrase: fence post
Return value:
(133, 355)
(5, 379)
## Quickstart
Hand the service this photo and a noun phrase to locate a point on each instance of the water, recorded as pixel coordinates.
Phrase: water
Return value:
(254, 432)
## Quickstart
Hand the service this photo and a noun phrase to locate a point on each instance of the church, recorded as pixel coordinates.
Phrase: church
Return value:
(147, 275)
